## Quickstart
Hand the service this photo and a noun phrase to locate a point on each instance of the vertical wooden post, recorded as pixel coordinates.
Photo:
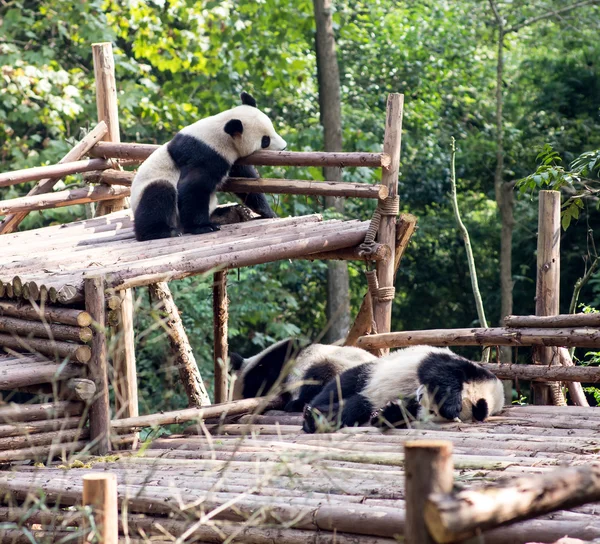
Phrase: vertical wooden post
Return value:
(547, 295)
(98, 366)
(100, 492)
(428, 469)
(123, 357)
(220, 316)
(382, 309)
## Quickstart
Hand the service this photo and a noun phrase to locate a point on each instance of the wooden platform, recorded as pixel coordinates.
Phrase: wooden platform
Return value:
(59, 257)
(269, 482)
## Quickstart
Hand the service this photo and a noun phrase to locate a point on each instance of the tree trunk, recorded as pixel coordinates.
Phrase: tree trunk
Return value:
(338, 291)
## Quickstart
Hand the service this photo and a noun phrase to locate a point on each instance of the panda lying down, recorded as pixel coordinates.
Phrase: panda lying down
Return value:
(346, 386)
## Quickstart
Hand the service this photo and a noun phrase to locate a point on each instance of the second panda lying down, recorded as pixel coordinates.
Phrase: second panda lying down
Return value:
(407, 384)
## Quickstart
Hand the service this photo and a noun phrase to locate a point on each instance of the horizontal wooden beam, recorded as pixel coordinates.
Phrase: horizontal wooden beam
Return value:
(53, 171)
(141, 152)
(581, 337)
(543, 373)
(458, 516)
(60, 199)
(266, 185)
(564, 320)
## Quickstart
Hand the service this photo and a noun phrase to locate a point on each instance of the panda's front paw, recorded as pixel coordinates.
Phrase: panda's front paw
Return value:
(203, 229)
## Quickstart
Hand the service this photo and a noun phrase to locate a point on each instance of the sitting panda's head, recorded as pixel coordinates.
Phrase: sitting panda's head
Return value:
(250, 129)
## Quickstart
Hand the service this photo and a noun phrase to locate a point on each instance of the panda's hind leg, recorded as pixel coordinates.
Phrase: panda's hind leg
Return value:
(156, 213)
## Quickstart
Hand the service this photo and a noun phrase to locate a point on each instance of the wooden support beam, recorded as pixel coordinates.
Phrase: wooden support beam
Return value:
(429, 469)
(553, 321)
(180, 346)
(458, 516)
(540, 373)
(266, 185)
(11, 223)
(547, 294)
(220, 320)
(141, 152)
(583, 337)
(100, 492)
(382, 308)
(98, 366)
(60, 199)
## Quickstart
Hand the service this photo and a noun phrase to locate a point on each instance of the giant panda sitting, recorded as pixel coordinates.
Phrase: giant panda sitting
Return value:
(174, 190)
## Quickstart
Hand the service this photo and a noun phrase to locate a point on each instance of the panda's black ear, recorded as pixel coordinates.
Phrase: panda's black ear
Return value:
(234, 127)
(235, 361)
(248, 99)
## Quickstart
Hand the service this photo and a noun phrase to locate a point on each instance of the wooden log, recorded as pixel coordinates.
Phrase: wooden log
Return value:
(454, 517)
(34, 427)
(36, 412)
(184, 266)
(364, 322)
(62, 350)
(220, 319)
(25, 327)
(43, 439)
(60, 199)
(141, 152)
(265, 185)
(192, 414)
(98, 366)
(37, 373)
(582, 337)
(82, 388)
(380, 253)
(553, 321)
(547, 293)
(43, 453)
(382, 308)
(66, 316)
(587, 374)
(123, 358)
(428, 470)
(180, 345)
(11, 223)
(575, 390)
(100, 492)
(53, 171)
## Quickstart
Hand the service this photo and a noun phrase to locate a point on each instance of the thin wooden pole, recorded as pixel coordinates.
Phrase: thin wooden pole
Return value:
(382, 309)
(429, 469)
(220, 316)
(548, 287)
(100, 492)
(100, 408)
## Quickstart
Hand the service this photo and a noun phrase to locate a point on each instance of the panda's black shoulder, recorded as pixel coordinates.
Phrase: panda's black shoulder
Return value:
(187, 151)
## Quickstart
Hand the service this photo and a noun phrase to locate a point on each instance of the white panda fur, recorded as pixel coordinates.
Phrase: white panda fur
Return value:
(174, 190)
(299, 374)
(409, 383)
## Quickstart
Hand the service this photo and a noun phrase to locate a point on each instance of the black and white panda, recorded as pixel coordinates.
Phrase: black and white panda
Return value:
(174, 190)
(408, 384)
(297, 374)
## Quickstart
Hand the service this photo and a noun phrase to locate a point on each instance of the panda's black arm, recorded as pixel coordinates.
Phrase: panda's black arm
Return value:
(257, 202)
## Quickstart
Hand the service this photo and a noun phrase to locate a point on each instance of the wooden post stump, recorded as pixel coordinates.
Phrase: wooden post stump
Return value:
(100, 492)
(429, 469)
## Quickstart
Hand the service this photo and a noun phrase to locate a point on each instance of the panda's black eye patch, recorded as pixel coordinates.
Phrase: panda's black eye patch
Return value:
(266, 142)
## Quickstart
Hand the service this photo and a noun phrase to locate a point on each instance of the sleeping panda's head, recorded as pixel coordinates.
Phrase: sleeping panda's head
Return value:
(255, 376)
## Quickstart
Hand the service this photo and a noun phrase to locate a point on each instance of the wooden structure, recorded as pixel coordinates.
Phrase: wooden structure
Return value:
(244, 472)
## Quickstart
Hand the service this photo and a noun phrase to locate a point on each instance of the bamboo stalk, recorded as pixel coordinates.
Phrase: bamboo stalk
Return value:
(382, 308)
(141, 152)
(581, 337)
(191, 414)
(220, 319)
(553, 321)
(100, 408)
(11, 223)
(100, 492)
(53, 171)
(453, 517)
(62, 350)
(66, 316)
(180, 345)
(25, 327)
(60, 199)
(541, 373)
